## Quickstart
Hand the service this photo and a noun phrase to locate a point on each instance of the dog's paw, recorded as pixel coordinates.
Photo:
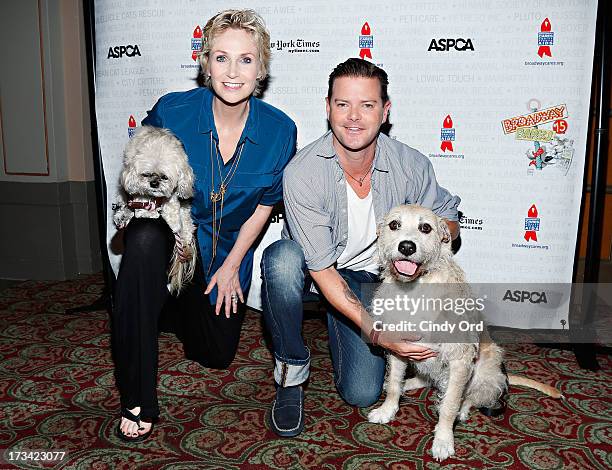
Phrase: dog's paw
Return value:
(464, 413)
(383, 414)
(442, 448)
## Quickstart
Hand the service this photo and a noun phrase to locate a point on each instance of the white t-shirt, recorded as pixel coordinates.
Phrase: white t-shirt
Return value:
(360, 251)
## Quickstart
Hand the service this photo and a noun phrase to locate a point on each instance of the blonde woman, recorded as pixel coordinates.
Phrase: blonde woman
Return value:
(238, 147)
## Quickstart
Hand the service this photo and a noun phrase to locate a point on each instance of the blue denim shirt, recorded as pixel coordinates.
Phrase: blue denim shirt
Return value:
(269, 139)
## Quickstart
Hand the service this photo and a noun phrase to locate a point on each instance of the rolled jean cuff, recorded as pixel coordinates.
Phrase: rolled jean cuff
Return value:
(295, 372)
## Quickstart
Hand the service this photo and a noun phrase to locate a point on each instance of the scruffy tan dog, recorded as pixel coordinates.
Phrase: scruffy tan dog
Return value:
(158, 182)
(414, 246)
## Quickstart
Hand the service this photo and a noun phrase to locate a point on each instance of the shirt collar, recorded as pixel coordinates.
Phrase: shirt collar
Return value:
(207, 123)
(381, 158)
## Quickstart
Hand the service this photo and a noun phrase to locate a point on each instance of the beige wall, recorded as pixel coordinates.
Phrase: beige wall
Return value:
(78, 146)
(46, 163)
(44, 110)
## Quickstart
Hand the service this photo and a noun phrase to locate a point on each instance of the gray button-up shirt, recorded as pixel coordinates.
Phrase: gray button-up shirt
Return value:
(314, 189)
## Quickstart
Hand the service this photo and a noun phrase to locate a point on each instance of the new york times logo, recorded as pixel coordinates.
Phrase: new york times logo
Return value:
(295, 45)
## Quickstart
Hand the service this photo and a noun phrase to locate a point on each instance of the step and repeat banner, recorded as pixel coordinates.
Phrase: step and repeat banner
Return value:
(495, 94)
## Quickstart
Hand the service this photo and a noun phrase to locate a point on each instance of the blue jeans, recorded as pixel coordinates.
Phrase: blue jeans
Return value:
(359, 369)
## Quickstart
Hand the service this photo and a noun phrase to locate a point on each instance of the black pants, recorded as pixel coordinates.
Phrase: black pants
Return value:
(143, 303)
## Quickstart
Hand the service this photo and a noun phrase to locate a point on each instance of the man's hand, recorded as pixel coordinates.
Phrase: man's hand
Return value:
(405, 348)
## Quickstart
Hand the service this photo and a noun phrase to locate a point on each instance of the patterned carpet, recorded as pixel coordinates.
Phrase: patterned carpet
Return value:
(57, 393)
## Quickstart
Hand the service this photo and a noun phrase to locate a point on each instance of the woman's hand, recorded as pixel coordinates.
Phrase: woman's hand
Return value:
(226, 278)
(228, 288)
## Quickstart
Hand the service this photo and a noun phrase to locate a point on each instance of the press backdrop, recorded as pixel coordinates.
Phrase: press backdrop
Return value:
(496, 94)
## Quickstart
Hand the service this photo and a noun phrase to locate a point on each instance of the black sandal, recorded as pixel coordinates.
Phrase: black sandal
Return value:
(127, 414)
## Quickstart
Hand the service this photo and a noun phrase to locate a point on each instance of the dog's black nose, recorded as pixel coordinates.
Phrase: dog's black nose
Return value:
(406, 247)
(154, 183)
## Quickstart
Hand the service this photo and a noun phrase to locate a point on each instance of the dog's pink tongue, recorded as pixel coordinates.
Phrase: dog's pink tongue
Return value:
(405, 267)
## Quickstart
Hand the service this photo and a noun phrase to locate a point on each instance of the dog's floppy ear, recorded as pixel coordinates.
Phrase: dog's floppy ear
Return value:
(379, 227)
(184, 186)
(130, 179)
(445, 234)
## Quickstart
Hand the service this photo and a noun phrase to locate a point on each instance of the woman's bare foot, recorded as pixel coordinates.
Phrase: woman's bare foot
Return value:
(130, 428)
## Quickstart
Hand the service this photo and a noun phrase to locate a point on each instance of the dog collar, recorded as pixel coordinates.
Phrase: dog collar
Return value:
(149, 204)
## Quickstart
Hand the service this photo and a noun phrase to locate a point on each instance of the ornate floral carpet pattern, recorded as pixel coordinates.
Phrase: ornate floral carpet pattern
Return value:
(57, 393)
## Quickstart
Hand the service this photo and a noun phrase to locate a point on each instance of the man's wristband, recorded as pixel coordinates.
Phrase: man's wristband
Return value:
(374, 335)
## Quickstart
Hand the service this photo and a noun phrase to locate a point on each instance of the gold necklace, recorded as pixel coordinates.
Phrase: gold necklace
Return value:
(219, 195)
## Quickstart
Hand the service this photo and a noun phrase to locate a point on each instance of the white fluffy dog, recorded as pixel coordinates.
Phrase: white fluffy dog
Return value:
(414, 245)
(158, 182)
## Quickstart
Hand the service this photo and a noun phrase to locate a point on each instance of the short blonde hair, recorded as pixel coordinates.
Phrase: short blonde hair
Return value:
(247, 20)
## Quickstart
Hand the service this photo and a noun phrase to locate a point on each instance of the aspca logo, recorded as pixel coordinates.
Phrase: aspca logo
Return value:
(131, 126)
(444, 45)
(117, 52)
(546, 38)
(525, 296)
(366, 41)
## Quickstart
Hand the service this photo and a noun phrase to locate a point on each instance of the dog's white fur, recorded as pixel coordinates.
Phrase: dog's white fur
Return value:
(467, 374)
(156, 166)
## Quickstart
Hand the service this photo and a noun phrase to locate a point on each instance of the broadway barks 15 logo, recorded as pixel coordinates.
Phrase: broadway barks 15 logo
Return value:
(550, 147)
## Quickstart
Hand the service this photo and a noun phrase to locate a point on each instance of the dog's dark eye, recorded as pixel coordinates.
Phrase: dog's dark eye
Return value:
(425, 228)
(394, 225)
(164, 177)
(146, 175)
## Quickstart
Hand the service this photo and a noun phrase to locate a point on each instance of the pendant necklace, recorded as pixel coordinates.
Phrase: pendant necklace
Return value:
(219, 196)
(359, 180)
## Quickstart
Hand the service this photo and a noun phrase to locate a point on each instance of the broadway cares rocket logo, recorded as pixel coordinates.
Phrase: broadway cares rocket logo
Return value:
(447, 134)
(196, 42)
(546, 38)
(131, 126)
(366, 41)
(532, 224)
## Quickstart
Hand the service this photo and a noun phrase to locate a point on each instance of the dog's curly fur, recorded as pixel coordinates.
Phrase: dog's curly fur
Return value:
(155, 168)
(414, 245)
